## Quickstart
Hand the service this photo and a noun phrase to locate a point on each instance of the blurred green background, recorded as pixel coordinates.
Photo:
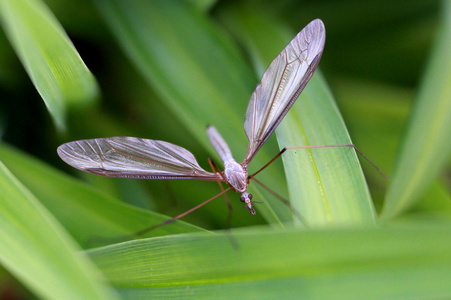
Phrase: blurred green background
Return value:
(374, 57)
(165, 70)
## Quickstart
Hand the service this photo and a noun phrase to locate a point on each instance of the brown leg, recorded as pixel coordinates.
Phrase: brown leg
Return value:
(104, 240)
(282, 199)
(215, 169)
(321, 146)
(141, 232)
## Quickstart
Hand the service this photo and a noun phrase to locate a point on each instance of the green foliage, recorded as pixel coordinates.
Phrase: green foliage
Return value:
(47, 54)
(364, 264)
(427, 142)
(38, 251)
(167, 69)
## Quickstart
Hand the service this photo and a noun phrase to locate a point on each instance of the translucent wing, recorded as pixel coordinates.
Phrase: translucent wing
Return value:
(130, 157)
(281, 84)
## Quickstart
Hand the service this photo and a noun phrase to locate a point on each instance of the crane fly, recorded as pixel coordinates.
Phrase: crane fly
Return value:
(280, 86)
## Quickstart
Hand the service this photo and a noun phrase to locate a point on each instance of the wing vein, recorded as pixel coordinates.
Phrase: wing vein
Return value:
(281, 84)
(129, 157)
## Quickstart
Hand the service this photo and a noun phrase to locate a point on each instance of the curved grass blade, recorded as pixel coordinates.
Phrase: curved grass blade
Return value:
(410, 261)
(38, 252)
(48, 56)
(427, 143)
(326, 185)
(375, 114)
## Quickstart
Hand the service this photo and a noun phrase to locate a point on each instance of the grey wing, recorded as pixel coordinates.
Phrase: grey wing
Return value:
(130, 157)
(281, 85)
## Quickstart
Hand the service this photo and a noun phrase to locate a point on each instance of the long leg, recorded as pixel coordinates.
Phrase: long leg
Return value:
(321, 146)
(141, 232)
(282, 199)
(95, 240)
(228, 223)
(215, 169)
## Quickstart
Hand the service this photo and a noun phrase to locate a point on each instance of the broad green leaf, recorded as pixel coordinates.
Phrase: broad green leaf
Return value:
(99, 218)
(48, 56)
(326, 185)
(406, 262)
(426, 146)
(198, 72)
(37, 251)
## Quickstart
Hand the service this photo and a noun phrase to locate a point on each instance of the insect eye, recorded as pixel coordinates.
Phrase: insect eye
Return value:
(242, 199)
(250, 196)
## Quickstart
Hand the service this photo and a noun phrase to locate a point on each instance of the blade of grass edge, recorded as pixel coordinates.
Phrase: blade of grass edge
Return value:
(374, 263)
(37, 251)
(49, 57)
(427, 142)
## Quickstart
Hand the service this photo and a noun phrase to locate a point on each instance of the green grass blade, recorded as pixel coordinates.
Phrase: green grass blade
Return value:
(326, 185)
(376, 114)
(388, 263)
(199, 73)
(37, 251)
(427, 142)
(103, 216)
(48, 56)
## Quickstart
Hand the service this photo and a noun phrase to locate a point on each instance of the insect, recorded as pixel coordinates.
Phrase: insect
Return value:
(280, 86)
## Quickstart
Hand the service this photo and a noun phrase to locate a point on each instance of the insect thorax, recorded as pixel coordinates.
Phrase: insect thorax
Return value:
(236, 175)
